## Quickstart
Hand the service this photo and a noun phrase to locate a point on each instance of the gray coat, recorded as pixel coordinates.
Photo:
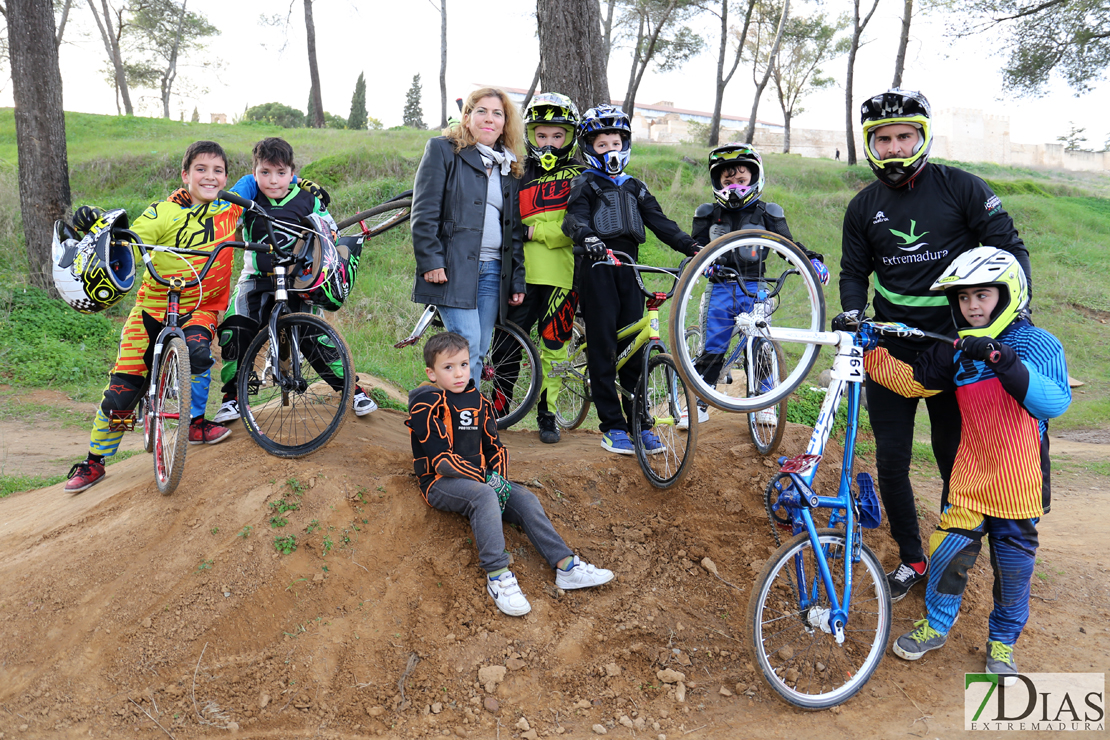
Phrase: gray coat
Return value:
(448, 213)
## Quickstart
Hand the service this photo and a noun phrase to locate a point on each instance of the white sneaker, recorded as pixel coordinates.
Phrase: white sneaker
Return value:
(766, 416)
(581, 575)
(362, 403)
(507, 595)
(684, 420)
(229, 411)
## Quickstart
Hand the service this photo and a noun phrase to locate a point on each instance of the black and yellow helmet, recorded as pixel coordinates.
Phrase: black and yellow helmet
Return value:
(550, 109)
(92, 274)
(986, 266)
(893, 107)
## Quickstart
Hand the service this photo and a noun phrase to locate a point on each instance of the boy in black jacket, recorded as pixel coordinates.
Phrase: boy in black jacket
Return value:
(462, 467)
(608, 210)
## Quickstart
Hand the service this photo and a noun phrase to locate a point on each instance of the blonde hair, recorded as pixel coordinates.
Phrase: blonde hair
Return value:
(512, 136)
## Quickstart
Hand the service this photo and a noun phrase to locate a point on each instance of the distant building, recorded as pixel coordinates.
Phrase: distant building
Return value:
(219, 118)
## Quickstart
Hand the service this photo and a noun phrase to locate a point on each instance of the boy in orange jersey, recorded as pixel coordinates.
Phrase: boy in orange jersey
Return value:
(1009, 377)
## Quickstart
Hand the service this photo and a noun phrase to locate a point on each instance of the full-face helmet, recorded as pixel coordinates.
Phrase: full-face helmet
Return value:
(986, 266)
(725, 157)
(328, 267)
(605, 119)
(892, 107)
(92, 274)
(550, 109)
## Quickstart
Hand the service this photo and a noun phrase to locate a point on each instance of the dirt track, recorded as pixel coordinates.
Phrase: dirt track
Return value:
(119, 602)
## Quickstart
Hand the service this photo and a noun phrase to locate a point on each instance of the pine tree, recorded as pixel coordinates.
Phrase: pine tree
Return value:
(311, 115)
(414, 114)
(357, 120)
(196, 115)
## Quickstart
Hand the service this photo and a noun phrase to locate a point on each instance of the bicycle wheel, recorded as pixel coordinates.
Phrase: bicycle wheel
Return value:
(572, 405)
(660, 401)
(766, 427)
(171, 415)
(511, 374)
(302, 413)
(797, 303)
(378, 220)
(790, 637)
(142, 413)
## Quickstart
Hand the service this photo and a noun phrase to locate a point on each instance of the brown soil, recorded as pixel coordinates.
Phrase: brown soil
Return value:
(120, 607)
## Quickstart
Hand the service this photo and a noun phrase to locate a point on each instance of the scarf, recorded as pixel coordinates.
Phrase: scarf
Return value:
(619, 179)
(503, 159)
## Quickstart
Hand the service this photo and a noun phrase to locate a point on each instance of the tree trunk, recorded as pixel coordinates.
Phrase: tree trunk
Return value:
(767, 74)
(40, 132)
(313, 68)
(722, 79)
(442, 64)
(786, 133)
(637, 63)
(629, 104)
(607, 28)
(532, 89)
(904, 41)
(111, 45)
(171, 69)
(62, 23)
(857, 32)
(571, 30)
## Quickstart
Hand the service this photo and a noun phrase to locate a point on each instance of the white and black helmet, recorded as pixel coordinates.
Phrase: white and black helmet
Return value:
(92, 274)
(893, 107)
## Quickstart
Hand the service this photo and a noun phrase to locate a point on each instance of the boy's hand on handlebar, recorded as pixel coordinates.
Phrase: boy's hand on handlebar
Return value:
(985, 349)
(181, 197)
(316, 189)
(85, 217)
(821, 270)
(595, 248)
(847, 321)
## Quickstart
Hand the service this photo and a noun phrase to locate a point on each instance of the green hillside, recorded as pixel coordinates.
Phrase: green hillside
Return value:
(115, 161)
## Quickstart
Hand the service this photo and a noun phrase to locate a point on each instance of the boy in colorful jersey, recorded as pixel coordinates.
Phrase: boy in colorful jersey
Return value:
(1009, 378)
(274, 186)
(190, 218)
(463, 467)
(549, 124)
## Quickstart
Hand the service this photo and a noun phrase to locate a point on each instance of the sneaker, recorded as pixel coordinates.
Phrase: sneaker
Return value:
(362, 403)
(507, 595)
(684, 419)
(903, 579)
(1000, 661)
(549, 430)
(616, 440)
(652, 445)
(581, 575)
(767, 417)
(83, 475)
(919, 641)
(204, 432)
(229, 411)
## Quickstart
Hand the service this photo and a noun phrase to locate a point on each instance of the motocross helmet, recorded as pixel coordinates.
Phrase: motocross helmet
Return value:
(92, 274)
(327, 268)
(986, 266)
(605, 119)
(722, 158)
(550, 109)
(897, 106)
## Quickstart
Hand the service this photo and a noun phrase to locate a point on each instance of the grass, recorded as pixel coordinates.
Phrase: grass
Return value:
(19, 482)
(116, 161)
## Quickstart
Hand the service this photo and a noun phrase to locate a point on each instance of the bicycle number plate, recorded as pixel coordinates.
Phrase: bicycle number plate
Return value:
(848, 365)
(800, 464)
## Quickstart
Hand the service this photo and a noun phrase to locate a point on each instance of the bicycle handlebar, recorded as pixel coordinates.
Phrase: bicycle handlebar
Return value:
(731, 274)
(897, 329)
(622, 259)
(146, 249)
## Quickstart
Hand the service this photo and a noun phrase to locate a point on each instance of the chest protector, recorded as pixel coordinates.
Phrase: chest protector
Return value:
(751, 218)
(617, 213)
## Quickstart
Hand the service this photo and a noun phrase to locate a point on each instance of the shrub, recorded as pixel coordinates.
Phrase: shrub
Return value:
(276, 114)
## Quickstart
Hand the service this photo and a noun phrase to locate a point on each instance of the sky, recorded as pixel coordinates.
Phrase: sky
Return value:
(494, 43)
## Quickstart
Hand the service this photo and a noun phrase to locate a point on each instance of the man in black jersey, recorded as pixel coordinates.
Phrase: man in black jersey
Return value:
(904, 230)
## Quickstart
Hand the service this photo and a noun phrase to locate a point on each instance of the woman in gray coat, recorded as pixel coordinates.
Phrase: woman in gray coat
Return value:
(466, 227)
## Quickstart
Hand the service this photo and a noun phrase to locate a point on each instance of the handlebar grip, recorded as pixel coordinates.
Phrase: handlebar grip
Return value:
(578, 251)
(236, 199)
(995, 356)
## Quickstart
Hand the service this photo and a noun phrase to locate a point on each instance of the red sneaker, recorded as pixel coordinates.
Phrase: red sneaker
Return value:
(204, 432)
(83, 475)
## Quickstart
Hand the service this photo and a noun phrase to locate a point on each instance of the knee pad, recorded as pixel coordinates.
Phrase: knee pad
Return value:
(122, 393)
(952, 577)
(236, 332)
(199, 341)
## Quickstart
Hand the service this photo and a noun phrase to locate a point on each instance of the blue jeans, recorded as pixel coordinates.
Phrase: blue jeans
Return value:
(476, 324)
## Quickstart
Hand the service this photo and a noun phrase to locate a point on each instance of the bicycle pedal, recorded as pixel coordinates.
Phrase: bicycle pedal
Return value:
(121, 421)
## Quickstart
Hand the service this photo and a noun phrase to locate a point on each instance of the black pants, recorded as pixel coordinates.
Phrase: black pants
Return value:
(611, 300)
(892, 419)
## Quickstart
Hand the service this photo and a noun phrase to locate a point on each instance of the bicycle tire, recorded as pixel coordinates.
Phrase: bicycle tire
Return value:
(296, 422)
(800, 659)
(768, 362)
(661, 399)
(511, 374)
(799, 305)
(382, 218)
(171, 416)
(572, 404)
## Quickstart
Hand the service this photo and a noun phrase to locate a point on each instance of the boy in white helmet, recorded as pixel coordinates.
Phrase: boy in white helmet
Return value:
(1009, 378)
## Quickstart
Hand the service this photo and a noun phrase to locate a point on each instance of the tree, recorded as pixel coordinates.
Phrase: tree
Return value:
(858, 24)
(442, 62)
(112, 34)
(1071, 37)
(275, 114)
(573, 55)
(1074, 140)
(414, 114)
(659, 38)
(357, 120)
(313, 68)
(196, 115)
(310, 114)
(764, 46)
(40, 131)
(806, 44)
(166, 32)
(903, 42)
(722, 53)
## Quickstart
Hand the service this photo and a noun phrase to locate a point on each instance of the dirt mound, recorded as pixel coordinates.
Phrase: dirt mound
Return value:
(121, 608)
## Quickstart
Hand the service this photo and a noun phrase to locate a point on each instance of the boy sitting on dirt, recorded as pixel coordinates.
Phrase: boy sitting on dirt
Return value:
(462, 467)
(1010, 378)
(273, 185)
